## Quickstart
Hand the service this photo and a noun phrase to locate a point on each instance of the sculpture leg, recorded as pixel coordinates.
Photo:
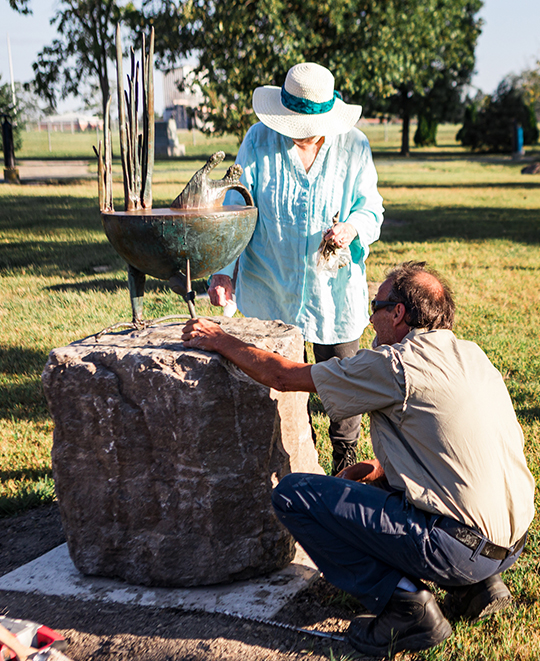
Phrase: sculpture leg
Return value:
(136, 281)
(180, 285)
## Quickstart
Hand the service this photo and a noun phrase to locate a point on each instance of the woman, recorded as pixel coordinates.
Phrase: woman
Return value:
(304, 163)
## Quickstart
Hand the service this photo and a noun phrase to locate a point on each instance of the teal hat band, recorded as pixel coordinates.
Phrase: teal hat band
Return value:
(305, 106)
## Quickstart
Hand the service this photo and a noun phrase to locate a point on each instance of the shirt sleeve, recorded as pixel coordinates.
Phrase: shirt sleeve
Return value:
(245, 158)
(372, 380)
(366, 214)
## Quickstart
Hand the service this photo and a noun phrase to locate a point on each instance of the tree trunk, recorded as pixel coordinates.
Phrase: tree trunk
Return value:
(406, 117)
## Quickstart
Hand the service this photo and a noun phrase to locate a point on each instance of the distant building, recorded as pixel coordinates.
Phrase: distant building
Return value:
(71, 121)
(176, 103)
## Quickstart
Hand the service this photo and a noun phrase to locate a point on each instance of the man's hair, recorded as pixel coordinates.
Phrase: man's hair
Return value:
(426, 296)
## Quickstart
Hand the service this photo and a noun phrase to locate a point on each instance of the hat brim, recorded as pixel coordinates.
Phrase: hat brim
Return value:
(271, 111)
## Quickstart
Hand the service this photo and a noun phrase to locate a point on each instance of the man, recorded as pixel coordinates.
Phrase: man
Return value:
(449, 497)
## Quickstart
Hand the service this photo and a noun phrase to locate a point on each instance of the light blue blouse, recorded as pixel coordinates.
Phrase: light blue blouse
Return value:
(277, 275)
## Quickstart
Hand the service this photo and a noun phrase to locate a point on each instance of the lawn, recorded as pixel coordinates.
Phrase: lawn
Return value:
(474, 218)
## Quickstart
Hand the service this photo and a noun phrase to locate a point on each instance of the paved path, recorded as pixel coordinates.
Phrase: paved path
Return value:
(42, 170)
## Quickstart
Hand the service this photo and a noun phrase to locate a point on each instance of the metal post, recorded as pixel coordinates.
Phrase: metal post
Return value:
(11, 74)
(11, 173)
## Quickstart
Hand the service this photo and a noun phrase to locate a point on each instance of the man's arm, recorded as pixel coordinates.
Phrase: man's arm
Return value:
(267, 368)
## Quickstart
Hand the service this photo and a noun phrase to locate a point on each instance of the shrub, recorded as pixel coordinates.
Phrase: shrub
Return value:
(490, 124)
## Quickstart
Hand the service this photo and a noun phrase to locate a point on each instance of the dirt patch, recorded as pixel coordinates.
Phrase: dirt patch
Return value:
(97, 631)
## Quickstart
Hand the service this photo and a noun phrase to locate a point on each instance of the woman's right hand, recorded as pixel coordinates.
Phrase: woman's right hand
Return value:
(221, 290)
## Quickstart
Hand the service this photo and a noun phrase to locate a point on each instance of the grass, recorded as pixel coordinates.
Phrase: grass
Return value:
(67, 145)
(474, 218)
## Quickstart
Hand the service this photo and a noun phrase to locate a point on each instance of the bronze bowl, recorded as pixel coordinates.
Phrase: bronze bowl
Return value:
(158, 242)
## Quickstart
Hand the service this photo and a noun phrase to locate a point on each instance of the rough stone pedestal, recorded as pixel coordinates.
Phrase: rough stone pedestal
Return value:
(164, 457)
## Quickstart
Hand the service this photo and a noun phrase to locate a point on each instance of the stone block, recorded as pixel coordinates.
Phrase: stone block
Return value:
(166, 140)
(164, 457)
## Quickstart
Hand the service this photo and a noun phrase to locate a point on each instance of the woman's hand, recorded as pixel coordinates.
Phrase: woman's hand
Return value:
(202, 334)
(221, 290)
(342, 234)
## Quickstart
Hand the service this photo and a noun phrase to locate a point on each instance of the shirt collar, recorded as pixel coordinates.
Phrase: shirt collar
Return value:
(413, 333)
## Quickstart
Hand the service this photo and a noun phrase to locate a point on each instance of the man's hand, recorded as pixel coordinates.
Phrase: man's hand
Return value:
(342, 234)
(221, 290)
(266, 367)
(365, 471)
(202, 334)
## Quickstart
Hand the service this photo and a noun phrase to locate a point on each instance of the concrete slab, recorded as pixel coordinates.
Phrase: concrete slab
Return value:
(261, 598)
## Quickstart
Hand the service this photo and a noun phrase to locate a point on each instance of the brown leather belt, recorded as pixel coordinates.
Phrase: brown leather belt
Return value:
(472, 540)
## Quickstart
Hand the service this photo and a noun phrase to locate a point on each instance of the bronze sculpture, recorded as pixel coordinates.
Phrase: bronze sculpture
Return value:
(193, 238)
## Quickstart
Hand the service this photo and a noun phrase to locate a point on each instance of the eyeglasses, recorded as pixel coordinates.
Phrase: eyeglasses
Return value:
(379, 305)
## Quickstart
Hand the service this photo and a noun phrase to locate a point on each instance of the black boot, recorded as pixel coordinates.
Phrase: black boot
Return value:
(343, 455)
(477, 601)
(411, 621)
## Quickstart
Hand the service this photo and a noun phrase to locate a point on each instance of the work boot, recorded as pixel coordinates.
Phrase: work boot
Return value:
(410, 621)
(343, 455)
(477, 601)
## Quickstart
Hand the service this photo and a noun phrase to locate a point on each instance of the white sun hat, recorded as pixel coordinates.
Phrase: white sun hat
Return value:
(306, 105)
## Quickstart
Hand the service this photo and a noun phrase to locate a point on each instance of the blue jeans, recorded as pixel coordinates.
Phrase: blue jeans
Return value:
(364, 539)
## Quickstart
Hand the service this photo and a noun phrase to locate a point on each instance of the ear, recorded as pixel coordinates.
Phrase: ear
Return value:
(398, 315)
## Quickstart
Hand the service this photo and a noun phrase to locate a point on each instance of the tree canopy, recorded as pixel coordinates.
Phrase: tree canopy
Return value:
(22, 6)
(529, 82)
(426, 56)
(490, 124)
(77, 62)
(376, 50)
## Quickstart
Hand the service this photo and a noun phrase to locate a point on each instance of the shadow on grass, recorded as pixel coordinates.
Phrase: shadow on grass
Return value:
(16, 360)
(464, 223)
(113, 286)
(315, 404)
(526, 185)
(29, 496)
(452, 155)
(22, 400)
(57, 257)
(529, 415)
(34, 474)
(49, 213)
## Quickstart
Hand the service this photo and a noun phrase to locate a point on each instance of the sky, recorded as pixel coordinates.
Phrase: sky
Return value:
(509, 43)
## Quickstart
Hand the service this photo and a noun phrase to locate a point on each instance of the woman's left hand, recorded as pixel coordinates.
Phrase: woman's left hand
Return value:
(342, 234)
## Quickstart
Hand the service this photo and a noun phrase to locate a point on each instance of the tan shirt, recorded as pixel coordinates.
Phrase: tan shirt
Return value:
(442, 426)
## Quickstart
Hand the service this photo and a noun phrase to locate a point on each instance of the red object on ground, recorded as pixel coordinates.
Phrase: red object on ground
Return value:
(30, 634)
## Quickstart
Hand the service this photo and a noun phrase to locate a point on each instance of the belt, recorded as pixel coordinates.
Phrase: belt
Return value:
(471, 539)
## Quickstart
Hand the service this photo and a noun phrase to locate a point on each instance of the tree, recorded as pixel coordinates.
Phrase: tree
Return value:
(529, 82)
(443, 103)
(490, 124)
(375, 49)
(77, 62)
(430, 46)
(239, 44)
(22, 6)
(9, 109)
